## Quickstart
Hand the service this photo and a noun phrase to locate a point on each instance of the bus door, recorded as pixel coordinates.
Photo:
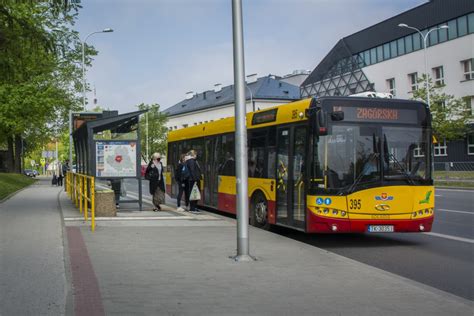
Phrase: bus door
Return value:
(290, 178)
(210, 172)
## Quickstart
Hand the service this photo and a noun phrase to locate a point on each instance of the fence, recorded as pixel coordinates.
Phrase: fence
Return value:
(461, 173)
(81, 190)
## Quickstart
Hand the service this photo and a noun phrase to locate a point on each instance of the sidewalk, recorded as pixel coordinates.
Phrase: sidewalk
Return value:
(177, 263)
(32, 268)
(182, 267)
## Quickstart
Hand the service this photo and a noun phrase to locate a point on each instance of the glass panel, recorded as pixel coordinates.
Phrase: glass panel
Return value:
(226, 156)
(393, 49)
(282, 173)
(401, 46)
(256, 154)
(298, 174)
(399, 160)
(442, 35)
(416, 41)
(386, 51)
(379, 53)
(367, 57)
(470, 21)
(433, 38)
(408, 44)
(462, 26)
(452, 30)
(373, 55)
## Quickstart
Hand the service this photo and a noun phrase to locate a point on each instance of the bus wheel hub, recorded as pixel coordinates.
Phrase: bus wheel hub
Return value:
(261, 212)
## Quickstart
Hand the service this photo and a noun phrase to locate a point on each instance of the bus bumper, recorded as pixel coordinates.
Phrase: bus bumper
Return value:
(319, 224)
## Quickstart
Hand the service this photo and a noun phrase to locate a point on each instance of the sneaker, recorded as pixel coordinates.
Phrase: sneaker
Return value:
(155, 210)
(180, 209)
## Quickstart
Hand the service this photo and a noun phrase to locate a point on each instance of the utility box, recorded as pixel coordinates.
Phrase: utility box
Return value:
(105, 203)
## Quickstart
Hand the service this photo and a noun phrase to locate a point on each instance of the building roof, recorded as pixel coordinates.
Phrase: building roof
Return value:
(267, 88)
(426, 15)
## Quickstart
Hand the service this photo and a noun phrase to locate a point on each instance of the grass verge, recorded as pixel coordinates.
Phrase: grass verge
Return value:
(12, 182)
(454, 184)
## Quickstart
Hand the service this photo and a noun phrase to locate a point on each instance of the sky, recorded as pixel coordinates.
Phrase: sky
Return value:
(161, 49)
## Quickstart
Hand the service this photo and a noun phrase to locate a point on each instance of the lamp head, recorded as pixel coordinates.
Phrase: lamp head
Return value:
(107, 30)
(444, 27)
(402, 25)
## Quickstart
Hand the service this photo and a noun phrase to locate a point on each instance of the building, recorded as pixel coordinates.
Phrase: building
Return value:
(219, 103)
(389, 58)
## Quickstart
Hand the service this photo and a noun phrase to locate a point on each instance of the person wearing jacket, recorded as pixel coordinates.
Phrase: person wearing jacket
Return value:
(181, 176)
(195, 176)
(154, 173)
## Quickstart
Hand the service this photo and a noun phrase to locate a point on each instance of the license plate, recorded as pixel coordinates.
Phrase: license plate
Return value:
(381, 229)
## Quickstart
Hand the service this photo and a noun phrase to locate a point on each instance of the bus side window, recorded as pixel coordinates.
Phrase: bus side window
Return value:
(226, 156)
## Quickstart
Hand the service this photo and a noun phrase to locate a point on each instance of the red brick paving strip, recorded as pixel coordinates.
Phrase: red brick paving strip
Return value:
(87, 299)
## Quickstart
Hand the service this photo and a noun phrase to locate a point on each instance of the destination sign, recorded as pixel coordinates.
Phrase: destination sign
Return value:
(379, 115)
(264, 117)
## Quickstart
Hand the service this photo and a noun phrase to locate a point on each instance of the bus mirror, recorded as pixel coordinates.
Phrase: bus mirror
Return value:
(337, 116)
(322, 126)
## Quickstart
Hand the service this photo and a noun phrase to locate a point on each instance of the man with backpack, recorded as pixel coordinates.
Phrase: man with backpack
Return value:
(181, 176)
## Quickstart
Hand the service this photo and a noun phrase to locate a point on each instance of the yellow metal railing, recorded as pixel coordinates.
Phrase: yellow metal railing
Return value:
(81, 190)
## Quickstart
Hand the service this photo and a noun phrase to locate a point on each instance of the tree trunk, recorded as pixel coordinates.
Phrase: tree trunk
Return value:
(18, 153)
(10, 155)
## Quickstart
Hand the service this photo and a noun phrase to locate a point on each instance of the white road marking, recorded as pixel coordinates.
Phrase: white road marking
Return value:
(454, 190)
(471, 241)
(453, 211)
(69, 219)
(438, 195)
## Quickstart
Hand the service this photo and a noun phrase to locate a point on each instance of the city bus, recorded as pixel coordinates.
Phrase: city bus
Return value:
(321, 165)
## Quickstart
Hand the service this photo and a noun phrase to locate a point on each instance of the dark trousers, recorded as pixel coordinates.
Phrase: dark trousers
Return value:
(183, 188)
(60, 181)
(193, 204)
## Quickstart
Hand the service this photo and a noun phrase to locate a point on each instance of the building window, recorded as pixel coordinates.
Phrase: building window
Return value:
(452, 30)
(418, 152)
(373, 55)
(470, 144)
(468, 67)
(416, 41)
(433, 38)
(443, 34)
(470, 21)
(391, 86)
(379, 53)
(393, 49)
(440, 149)
(413, 80)
(401, 46)
(438, 74)
(462, 26)
(386, 51)
(408, 44)
(185, 125)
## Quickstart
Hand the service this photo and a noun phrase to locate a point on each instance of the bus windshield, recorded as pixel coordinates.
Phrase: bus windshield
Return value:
(354, 157)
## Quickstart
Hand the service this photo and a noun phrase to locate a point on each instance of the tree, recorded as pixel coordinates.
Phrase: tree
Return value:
(450, 116)
(157, 130)
(40, 72)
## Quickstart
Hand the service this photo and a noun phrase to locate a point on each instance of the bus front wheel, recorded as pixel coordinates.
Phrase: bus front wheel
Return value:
(260, 211)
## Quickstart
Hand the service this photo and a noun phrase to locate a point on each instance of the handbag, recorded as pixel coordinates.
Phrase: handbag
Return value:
(195, 193)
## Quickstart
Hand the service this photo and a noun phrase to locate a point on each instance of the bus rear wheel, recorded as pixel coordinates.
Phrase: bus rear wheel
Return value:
(260, 211)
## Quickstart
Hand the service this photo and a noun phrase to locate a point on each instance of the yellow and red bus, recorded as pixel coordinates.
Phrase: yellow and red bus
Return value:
(322, 165)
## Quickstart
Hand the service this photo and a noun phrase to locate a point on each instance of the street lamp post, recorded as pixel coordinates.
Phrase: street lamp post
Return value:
(425, 37)
(83, 43)
(107, 30)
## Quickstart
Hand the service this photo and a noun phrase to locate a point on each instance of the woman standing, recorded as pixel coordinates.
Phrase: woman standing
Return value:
(154, 173)
(195, 176)
(182, 177)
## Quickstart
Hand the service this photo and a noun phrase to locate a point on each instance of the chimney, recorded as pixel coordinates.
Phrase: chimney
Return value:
(189, 95)
(217, 87)
(252, 78)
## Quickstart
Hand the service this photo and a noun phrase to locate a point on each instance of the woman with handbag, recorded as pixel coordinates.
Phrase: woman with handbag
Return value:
(154, 173)
(195, 175)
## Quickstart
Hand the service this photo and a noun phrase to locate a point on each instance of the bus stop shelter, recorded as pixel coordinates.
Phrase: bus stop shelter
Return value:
(109, 148)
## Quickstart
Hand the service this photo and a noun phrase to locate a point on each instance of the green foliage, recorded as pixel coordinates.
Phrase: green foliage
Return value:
(449, 115)
(157, 130)
(40, 69)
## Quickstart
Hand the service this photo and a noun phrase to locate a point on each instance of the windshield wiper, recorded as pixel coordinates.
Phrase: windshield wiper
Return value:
(389, 156)
(361, 175)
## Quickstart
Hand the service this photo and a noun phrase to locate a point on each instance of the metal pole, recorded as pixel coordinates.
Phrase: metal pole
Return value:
(146, 141)
(240, 136)
(70, 140)
(83, 76)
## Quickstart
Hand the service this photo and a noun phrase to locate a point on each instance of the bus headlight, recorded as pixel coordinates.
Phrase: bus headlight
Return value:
(414, 214)
(343, 213)
(326, 211)
(334, 212)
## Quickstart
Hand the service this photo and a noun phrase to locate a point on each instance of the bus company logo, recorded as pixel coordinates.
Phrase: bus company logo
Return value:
(383, 197)
(382, 207)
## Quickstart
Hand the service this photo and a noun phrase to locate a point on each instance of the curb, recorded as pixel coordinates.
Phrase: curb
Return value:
(454, 188)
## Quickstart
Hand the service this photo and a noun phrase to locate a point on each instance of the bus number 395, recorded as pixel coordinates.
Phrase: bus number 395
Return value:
(355, 204)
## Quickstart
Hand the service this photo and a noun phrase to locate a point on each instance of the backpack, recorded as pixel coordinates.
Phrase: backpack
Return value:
(185, 174)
